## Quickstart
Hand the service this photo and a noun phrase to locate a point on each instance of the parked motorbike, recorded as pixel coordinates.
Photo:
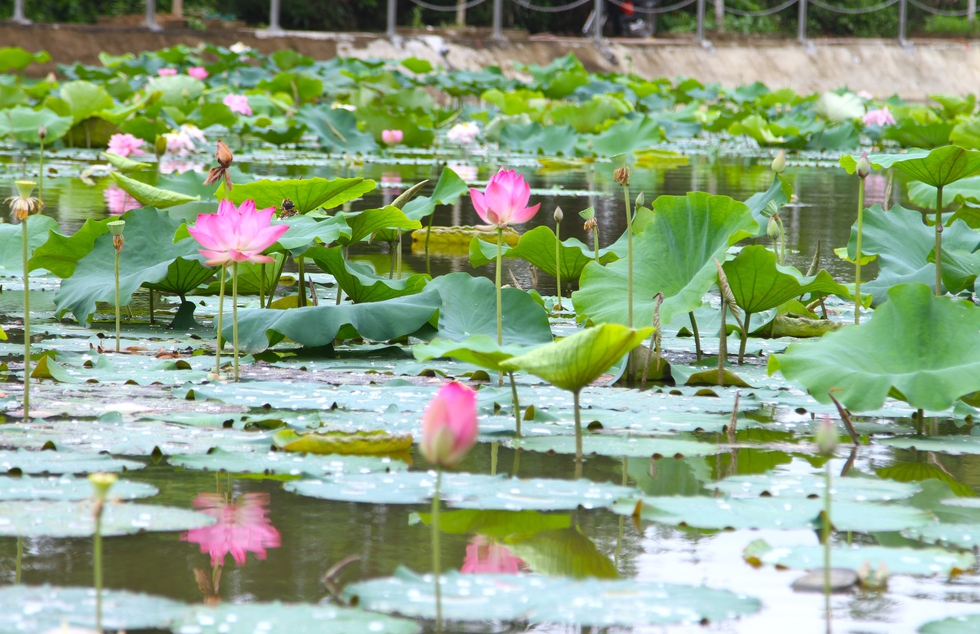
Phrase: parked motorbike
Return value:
(626, 18)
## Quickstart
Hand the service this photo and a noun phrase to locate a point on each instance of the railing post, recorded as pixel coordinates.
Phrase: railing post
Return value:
(151, 15)
(701, 4)
(971, 11)
(460, 13)
(902, 13)
(801, 23)
(720, 15)
(498, 19)
(392, 17)
(19, 17)
(177, 8)
(597, 26)
(274, 11)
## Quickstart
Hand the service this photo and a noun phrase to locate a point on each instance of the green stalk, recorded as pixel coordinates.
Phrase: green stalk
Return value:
(221, 310)
(629, 257)
(117, 299)
(27, 326)
(578, 436)
(857, 261)
(262, 285)
(939, 240)
(782, 241)
(97, 555)
(697, 335)
(745, 337)
(20, 558)
(435, 549)
(500, 323)
(494, 449)
(826, 540)
(517, 405)
(622, 518)
(40, 174)
(398, 256)
(558, 261)
(301, 265)
(595, 243)
(428, 232)
(234, 314)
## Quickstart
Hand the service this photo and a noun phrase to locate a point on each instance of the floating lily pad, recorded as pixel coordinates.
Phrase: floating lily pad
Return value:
(619, 445)
(537, 599)
(46, 608)
(464, 490)
(801, 486)
(274, 618)
(68, 488)
(900, 561)
(61, 461)
(958, 535)
(283, 463)
(946, 444)
(342, 442)
(966, 624)
(69, 518)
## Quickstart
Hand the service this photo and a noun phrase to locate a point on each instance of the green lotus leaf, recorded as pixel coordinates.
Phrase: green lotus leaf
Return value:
(340, 442)
(537, 247)
(674, 255)
(68, 488)
(920, 349)
(283, 463)
(148, 195)
(176, 90)
(480, 350)
(910, 133)
(14, 58)
(938, 167)
(963, 624)
(920, 471)
(498, 524)
(618, 445)
(966, 134)
(284, 618)
(146, 259)
(364, 224)
(759, 284)
(779, 193)
(774, 513)
(836, 107)
(625, 136)
(962, 191)
(85, 99)
(899, 561)
(576, 361)
(904, 244)
(52, 608)
(11, 96)
(469, 307)
(786, 485)
(307, 194)
(448, 189)
(359, 282)
(22, 123)
(599, 603)
(319, 325)
(537, 139)
(69, 518)
(124, 164)
(36, 462)
(12, 243)
(954, 445)
(336, 130)
(563, 552)
(304, 232)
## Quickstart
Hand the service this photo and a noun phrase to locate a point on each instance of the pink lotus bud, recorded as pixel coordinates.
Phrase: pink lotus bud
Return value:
(167, 72)
(504, 202)
(392, 137)
(863, 168)
(827, 438)
(449, 426)
(198, 72)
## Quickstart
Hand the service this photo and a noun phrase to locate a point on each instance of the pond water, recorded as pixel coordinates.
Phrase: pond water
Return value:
(294, 539)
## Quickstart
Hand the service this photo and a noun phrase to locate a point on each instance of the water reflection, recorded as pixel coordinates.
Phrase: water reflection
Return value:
(484, 555)
(118, 201)
(242, 527)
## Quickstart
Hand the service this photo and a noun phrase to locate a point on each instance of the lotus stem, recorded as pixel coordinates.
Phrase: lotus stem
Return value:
(435, 548)
(697, 335)
(622, 518)
(428, 232)
(234, 314)
(116, 267)
(578, 435)
(152, 317)
(558, 261)
(500, 323)
(629, 257)
(20, 558)
(391, 267)
(745, 337)
(97, 565)
(722, 344)
(826, 541)
(40, 174)
(262, 285)
(27, 325)
(517, 406)
(398, 256)
(221, 310)
(595, 243)
(939, 240)
(517, 462)
(857, 260)
(301, 265)
(782, 241)
(494, 449)
(655, 339)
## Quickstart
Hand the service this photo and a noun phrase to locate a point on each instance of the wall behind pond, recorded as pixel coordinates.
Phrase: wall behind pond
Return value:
(880, 67)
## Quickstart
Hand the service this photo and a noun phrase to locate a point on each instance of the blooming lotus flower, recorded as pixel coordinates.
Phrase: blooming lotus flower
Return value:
(505, 200)
(192, 132)
(879, 117)
(236, 234)
(464, 170)
(864, 94)
(392, 137)
(179, 166)
(449, 425)
(125, 145)
(463, 133)
(242, 528)
(485, 557)
(240, 48)
(238, 104)
(118, 201)
(198, 72)
(167, 72)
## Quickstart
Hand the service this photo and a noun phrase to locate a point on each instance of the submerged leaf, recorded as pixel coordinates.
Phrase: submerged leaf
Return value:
(344, 443)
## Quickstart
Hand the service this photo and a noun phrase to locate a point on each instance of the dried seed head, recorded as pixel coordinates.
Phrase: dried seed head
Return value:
(224, 155)
(590, 225)
(118, 242)
(622, 175)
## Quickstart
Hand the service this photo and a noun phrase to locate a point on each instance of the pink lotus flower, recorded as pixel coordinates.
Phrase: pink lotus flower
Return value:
(392, 137)
(179, 166)
(449, 425)
(125, 145)
(238, 104)
(179, 144)
(167, 72)
(864, 94)
(118, 201)
(485, 557)
(505, 200)
(242, 527)
(236, 234)
(879, 117)
(463, 133)
(198, 72)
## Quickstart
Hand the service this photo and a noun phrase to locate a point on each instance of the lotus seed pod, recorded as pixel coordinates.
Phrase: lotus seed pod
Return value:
(116, 227)
(101, 483)
(25, 188)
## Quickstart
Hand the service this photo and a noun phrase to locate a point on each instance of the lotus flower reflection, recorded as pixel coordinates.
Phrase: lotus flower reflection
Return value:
(483, 556)
(242, 527)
